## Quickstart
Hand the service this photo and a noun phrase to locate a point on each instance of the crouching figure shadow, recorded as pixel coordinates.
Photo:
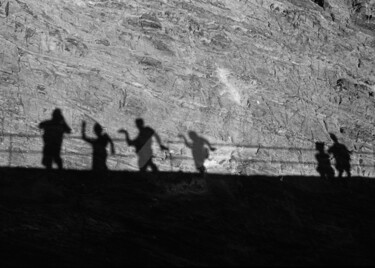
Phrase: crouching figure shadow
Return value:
(99, 146)
(199, 151)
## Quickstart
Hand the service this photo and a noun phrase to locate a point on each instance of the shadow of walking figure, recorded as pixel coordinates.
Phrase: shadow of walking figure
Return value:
(99, 146)
(341, 155)
(324, 164)
(199, 150)
(143, 145)
(53, 135)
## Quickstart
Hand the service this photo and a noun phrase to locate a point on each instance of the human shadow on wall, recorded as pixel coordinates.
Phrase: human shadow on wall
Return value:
(341, 154)
(324, 167)
(200, 152)
(99, 146)
(143, 145)
(54, 130)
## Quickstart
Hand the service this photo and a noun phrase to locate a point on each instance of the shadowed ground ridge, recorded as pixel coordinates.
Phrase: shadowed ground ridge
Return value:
(74, 218)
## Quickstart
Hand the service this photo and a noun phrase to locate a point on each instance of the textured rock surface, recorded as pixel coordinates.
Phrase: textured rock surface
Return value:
(276, 76)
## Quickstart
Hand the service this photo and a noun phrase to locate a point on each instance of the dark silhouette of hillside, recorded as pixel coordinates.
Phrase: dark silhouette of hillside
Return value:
(61, 218)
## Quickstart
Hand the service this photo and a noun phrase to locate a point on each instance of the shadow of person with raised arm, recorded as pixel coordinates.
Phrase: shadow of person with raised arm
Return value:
(143, 145)
(324, 164)
(341, 154)
(54, 130)
(99, 146)
(199, 150)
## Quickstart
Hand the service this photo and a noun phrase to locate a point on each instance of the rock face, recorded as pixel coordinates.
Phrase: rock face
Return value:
(261, 80)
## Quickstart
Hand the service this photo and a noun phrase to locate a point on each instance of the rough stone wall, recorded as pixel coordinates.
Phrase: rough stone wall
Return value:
(262, 80)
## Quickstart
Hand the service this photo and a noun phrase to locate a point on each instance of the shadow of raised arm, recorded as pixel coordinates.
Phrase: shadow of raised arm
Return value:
(128, 141)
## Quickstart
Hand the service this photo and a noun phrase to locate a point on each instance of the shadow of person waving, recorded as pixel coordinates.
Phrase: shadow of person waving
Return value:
(143, 145)
(324, 164)
(54, 130)
(199, 150)
(99, 146)
(341, 154)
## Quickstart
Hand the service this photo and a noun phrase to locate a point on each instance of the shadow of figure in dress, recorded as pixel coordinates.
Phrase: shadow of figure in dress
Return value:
(200, 152)
(99, 146)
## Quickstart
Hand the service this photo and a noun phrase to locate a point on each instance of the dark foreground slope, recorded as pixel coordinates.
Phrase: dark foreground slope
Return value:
(74, 219)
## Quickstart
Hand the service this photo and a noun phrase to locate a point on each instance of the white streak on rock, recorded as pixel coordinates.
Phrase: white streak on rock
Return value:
(230, 88)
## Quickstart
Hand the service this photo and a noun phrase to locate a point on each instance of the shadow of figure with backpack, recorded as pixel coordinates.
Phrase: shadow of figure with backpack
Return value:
(341, 154)
(54, 130)
(324, 164)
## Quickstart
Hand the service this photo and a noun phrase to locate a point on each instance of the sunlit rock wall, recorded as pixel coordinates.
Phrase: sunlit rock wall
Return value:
(261, 80)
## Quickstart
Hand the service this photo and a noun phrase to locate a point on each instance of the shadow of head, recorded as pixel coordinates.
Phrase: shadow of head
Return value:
(139, 123)
(57, 115)
(193, 135)
(319, 146)
(98, 129)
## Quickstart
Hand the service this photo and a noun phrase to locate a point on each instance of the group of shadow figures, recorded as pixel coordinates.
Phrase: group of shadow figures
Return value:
(341, 155)
(56, 127)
